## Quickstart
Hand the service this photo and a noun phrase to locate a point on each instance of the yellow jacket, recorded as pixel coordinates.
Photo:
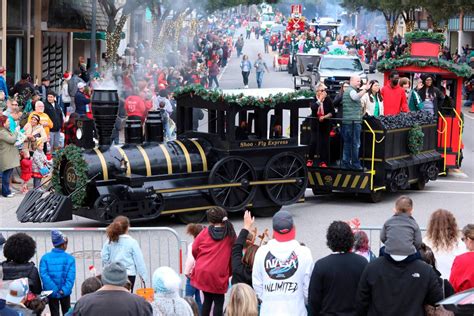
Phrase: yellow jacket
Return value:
(45, 121)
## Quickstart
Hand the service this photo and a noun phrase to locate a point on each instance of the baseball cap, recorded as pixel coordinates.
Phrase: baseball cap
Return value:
(17, 291)
(114, 274)
(81, 85)
(283, 226)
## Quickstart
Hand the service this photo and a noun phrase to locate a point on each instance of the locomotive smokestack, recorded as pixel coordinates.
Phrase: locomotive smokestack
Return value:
(154, 127)
(105, 105)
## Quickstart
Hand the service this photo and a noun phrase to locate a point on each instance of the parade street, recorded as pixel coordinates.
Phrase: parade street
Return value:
(454, 192)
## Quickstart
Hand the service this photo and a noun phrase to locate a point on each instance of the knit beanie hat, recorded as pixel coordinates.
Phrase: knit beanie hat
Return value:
(166, 281)
(57, 238)
(114, 274)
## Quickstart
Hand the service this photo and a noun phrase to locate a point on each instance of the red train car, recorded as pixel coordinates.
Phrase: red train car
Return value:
(448, 77)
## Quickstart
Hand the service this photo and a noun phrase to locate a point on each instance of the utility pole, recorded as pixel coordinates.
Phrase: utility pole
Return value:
(93, 36)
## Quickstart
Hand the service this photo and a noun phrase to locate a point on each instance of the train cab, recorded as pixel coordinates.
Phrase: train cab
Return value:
(255, 143)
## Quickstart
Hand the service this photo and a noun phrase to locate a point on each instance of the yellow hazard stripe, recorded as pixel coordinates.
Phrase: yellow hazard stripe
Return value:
(320, 180)
(124, 156)
(346, 180)
(354, 183)
(146, 159)
(310, 178)
(338, 178)
(203, 155)
(168, 158)
(186, 155)
(364, 182)
(105, 171)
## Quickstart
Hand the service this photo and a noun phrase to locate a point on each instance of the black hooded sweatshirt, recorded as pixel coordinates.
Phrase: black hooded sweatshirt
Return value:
(241, 273)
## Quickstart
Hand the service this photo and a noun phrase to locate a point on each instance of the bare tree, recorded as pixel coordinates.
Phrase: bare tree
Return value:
(117, 17)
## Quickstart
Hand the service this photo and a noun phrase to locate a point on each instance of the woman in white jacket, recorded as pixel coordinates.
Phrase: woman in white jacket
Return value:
(372, 102)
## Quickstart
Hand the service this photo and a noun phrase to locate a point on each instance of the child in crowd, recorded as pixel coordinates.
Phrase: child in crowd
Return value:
(212, 250)
(70, 130)
(165, 118)
(26, 169)
(41, 165)
(193, 230)
(58, 273)
(167, 302)
(400, 233)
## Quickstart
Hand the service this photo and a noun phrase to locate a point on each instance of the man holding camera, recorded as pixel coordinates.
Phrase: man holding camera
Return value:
(352, 123)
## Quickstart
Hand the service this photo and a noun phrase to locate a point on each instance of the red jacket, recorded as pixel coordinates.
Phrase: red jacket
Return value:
(462, 272)
(26, 169)
(394, 100)
(212, 269)
(135, 106)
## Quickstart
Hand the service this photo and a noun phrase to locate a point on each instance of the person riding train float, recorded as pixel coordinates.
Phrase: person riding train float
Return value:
(431, 96)
(351, 123)
(372, 101)
(321, 110)
(413, 98)
(394, 95)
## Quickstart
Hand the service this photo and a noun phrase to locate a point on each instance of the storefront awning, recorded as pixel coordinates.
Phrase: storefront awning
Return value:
(86, 36)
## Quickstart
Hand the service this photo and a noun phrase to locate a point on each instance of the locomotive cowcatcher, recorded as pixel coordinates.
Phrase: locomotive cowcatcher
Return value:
(238, 160)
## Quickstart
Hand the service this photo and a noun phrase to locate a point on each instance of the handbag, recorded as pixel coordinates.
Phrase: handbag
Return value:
(147, 293)
(44, 171)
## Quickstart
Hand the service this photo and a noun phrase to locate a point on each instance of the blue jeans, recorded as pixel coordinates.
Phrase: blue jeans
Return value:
(193, 292)
(167, 129)
(6, 175)
(351, 139)
(259, 79)
(213, 79)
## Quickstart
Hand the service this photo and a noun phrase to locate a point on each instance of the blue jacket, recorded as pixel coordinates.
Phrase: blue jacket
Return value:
(58, 272)
(3, 87)
(126, 251)
(81, 102)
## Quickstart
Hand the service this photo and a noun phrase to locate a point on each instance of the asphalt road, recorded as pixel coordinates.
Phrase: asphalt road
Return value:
(454, 192)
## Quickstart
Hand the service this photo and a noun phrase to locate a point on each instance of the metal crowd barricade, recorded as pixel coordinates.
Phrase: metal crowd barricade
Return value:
(374, 237)
(161, 246)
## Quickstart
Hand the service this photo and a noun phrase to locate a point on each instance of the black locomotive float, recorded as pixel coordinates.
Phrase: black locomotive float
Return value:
(241, 159)
(235, 167)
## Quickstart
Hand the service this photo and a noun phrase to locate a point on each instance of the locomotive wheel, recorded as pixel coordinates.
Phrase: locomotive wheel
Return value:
(158, 203)
(106, 205)
(191, 217)
(432, 172)
(268, 211)
(375, 196)
(286, 166)
(232, 170)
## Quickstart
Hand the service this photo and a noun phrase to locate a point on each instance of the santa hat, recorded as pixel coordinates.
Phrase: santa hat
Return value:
(66, 76)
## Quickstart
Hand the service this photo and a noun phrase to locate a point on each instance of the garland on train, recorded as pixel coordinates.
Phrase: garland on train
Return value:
(460, 70)
(425, 35)
(242, 100)
(74, 155)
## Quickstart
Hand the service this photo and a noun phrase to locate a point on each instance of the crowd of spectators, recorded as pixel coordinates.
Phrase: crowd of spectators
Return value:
(37, 121)
(273, 276)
